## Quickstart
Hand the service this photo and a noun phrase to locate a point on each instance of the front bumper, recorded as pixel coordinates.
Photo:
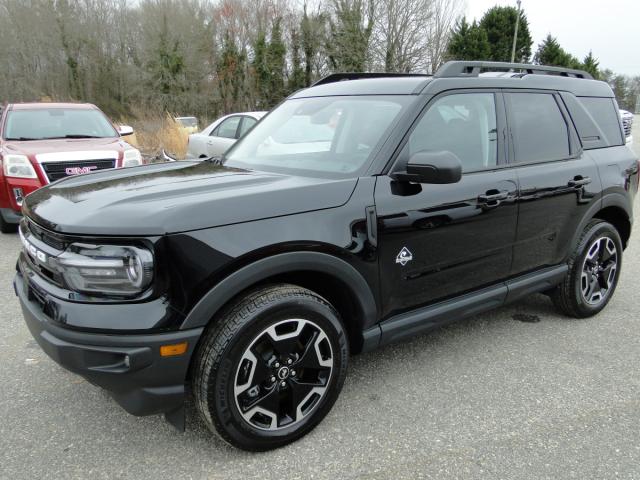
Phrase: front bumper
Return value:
(130, 367)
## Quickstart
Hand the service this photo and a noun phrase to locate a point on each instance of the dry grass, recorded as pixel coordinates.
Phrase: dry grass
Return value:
(152, 134)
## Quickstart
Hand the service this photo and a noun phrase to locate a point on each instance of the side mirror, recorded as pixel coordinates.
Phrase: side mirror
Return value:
(435, 167)
(124, 130)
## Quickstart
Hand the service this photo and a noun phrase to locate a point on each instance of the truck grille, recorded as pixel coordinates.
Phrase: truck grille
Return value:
(626, 125)
(43, 235)
(57, 170)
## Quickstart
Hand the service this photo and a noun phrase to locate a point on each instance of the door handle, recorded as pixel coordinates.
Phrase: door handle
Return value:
(493, 196)
(579, 181)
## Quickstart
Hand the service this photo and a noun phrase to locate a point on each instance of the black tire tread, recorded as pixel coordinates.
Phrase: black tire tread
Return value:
(217, 339)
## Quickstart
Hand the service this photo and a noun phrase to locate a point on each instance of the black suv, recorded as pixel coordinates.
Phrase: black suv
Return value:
(363, 210)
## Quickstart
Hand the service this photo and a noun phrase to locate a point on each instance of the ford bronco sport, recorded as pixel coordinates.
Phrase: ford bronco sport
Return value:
(363, 210)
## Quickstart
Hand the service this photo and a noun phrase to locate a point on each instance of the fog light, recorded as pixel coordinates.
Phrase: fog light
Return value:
(173, 350)
(19, 196)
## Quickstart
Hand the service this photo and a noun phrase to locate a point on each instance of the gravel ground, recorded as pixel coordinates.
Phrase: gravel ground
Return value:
(492, 397)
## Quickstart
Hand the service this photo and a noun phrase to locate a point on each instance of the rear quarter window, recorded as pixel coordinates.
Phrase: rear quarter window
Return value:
(604, 113)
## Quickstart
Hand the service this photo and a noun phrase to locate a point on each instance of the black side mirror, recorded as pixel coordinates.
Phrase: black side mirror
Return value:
(436, 167)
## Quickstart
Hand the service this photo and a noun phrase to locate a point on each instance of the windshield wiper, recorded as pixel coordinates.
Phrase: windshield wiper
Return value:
(216, 159)
(22, 139)
(75, 135)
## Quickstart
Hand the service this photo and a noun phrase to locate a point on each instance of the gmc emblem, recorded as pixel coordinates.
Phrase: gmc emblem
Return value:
(79, 170)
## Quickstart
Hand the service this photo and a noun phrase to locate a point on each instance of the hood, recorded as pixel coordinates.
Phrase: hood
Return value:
(176, 197)
(36, 147)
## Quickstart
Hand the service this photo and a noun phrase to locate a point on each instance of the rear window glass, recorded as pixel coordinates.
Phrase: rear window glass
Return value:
(605, 114)
(541, 132)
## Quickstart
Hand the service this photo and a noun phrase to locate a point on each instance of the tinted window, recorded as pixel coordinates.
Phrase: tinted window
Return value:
(605, 114)
(324, 136)
(227, 128)
(247, 123)
(464, 124)
(57, 123)
(540, 132)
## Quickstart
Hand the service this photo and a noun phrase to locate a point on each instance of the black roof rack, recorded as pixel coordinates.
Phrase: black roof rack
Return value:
(338, 77)
(473, 69)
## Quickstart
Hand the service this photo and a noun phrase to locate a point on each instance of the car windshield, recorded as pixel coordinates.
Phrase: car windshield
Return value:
(324, 136)
(46, 123)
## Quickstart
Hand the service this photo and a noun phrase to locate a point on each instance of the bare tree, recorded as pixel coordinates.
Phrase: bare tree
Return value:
(445, 13)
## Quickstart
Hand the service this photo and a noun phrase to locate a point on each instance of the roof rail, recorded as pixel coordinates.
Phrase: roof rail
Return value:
(473, 69)
(339, 77)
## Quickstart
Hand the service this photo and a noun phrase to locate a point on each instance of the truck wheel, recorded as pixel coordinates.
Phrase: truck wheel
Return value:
(6, 227)
(594, 269)
(270, 368)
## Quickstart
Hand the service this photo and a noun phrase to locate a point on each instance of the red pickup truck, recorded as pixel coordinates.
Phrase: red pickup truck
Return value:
(44, 142)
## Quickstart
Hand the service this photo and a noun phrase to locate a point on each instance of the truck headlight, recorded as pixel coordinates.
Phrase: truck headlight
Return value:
(18, 166)
(106, 270)
(132, 158)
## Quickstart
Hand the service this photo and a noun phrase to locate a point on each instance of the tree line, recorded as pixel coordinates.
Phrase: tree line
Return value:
(210, 57)
(491, 38)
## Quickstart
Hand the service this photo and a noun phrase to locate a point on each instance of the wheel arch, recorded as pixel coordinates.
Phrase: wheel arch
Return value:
(330, 277)
(619, 218)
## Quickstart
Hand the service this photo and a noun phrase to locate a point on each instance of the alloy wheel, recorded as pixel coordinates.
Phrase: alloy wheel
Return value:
(599, 271)
(284, 374)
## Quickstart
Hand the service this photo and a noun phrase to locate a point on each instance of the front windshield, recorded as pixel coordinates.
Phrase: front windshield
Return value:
(325, 136)
(46, 123)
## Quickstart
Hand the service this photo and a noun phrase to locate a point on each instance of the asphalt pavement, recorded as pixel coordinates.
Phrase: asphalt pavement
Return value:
(517, 393)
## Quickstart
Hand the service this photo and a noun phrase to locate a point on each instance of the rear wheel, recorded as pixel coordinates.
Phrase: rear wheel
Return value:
(271, 368)
(594, 269)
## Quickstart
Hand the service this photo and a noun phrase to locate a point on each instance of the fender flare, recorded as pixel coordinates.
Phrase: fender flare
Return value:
(617, 200)
(229, 287)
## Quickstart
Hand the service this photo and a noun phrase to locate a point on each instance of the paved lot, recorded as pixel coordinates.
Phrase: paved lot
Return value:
(492, 397)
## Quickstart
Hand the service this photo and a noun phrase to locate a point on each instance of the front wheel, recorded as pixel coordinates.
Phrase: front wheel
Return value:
(594, 269)
(270, 369)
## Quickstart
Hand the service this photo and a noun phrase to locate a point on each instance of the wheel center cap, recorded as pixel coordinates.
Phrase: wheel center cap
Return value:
(283, 373)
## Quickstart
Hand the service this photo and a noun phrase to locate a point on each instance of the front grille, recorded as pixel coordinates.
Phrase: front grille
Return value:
(57, 170)
(43, 235)
(627, 123)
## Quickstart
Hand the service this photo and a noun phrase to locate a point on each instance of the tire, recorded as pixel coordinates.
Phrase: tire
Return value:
(244, 381)
(594, 270)
(6, 227)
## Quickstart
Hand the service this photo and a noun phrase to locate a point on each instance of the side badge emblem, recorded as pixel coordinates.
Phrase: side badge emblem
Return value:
(404, 256)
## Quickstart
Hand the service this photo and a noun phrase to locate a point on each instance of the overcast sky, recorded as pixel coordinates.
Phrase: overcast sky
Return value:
(611, 28)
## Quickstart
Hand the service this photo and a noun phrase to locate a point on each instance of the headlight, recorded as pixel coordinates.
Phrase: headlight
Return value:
(132, 158)
(18, 166)
(106, 270)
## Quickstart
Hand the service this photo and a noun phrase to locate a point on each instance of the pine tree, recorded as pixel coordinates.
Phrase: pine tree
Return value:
(590, 64)
(500, 24)
(551, 53)
(468, 42)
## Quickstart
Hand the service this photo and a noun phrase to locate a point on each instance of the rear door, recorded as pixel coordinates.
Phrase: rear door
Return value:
(558, 182)
(438, 241)
(223, 136)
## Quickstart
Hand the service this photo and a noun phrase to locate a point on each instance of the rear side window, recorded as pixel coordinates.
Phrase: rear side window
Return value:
(540, 131)
(603, 111)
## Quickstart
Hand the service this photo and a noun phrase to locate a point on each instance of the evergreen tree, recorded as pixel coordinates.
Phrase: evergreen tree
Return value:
(468, 42)
(590, 65)
(500, 24)
(276, 65)
(551, 53)
(297, 78)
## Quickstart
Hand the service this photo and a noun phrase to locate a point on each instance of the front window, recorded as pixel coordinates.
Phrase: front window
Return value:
(48, 123)
(325, 136)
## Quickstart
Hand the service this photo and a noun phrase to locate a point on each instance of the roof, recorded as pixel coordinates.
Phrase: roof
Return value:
(460, 74)
(48, 105)
(392, 85)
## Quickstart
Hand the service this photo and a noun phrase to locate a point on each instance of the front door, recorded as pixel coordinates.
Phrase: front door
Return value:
(438, 241)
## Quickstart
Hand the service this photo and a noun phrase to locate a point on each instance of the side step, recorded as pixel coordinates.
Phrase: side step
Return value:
(409, 324)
